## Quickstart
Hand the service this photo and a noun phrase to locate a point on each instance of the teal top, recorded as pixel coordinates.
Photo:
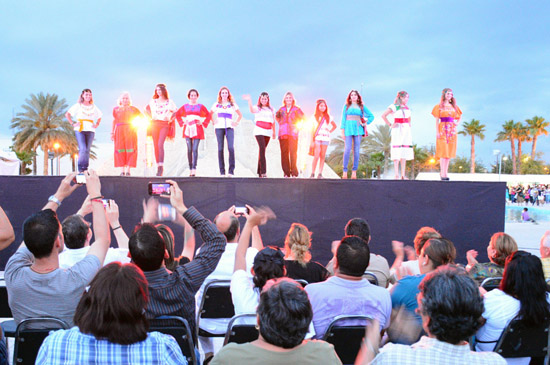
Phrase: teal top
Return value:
(352, 127)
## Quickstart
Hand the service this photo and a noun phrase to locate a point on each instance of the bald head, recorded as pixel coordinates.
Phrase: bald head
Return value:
(228, 224)
(545, 245)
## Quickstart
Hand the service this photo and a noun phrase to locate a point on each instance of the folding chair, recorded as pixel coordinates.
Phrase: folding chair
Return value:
(302, 282)
(346, 338)
(5, 312)
(216, 302)
(30, 334)
(241, 332)
(491, 283)
(178, 328)
(371, 277)
(518, 340)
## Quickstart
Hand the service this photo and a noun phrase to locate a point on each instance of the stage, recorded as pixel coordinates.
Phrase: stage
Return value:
(467, 213)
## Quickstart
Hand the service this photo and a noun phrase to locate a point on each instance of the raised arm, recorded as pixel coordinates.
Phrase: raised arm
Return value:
(101, 228)
(7, 236)
(112, 215)
(254, 219)
(64, 190)
(250, 105)
(188, 238)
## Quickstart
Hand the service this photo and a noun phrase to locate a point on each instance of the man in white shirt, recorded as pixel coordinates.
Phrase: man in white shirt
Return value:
(77, 234)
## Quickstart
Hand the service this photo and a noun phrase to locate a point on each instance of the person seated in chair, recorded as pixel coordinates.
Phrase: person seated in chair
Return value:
(111, 326)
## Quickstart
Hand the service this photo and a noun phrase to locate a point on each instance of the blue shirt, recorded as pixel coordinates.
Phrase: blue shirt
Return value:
(352, 127)
(404, 294)
(73, 347)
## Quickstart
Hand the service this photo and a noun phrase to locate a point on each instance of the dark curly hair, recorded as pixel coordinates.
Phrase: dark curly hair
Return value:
(450, 299)
(269, 263)
(284, 313)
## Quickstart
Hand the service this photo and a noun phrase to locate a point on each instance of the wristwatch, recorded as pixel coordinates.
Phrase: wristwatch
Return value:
(55, 200)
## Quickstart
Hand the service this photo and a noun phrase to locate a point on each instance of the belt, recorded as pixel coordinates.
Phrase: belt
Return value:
(263, 125)
(401, 120)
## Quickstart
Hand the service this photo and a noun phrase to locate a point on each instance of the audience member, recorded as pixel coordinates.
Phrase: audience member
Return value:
(7, 236)
(451, 306)
(378, 265)
(284, 314)
(523, 293)
(37, 287)
(228, 224)
(347, 293)
(500, 247)
(298, 258)
(110, 325)
(173, 293)
(545, 254)
(434, 253)
(151, 214)
(77, 235)
(402, 268)
(268, 264)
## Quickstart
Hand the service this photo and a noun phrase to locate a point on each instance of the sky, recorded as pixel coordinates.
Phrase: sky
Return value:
(493, 54)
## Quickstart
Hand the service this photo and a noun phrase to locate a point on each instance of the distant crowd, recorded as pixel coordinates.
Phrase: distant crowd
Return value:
(422, 308)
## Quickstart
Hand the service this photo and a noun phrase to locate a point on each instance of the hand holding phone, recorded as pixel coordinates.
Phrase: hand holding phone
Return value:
(80, 179)
(158, 188)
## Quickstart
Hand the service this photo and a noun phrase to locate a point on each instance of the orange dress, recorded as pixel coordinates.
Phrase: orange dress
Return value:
(448, 121)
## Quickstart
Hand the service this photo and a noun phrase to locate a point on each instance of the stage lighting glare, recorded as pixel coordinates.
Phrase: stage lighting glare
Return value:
(140, 122)
(56, 146)
(432, 160)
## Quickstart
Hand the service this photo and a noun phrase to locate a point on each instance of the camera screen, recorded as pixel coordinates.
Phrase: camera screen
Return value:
(160, 189)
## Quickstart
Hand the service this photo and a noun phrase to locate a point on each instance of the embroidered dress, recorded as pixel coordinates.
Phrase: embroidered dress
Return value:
(225, 115)
(323, 130)
(85, 116)
(401, 136)
(193, 118)
(161, 112)
(125, 137)
(448, 118)
(288, 138)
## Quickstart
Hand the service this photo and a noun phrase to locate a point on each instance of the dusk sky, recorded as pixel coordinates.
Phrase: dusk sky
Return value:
(493, 54)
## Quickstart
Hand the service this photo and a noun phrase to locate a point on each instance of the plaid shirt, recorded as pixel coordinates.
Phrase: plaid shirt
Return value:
(432, 351)
(173, 293)
(73, 347)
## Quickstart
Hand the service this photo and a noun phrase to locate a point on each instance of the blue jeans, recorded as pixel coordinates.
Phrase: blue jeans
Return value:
(192, 152)
(84, 140)
(229, 134)
(356, 140)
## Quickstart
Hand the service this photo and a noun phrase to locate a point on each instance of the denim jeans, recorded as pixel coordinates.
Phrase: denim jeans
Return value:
(192, 152)
(356, 140)
(85, 140)
(229, 134)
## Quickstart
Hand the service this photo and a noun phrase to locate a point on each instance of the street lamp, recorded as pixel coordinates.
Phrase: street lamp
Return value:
(56, 148)
(499, 161)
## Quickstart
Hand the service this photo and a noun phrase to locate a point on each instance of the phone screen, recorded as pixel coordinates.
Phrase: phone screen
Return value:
(80, 179)
(159, 188)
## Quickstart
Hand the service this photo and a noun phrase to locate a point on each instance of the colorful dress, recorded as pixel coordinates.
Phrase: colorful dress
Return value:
(193, 118)
(353, 129)
(288, 137)
(401, 136)
(225, 116)
(448, 121)
(125, 136)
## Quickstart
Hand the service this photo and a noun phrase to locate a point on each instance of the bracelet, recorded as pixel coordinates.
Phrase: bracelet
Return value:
(97, 197)
(114, 229)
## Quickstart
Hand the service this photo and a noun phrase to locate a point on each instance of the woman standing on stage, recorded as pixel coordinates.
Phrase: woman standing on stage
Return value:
(228, 116)
(160, 109)
(195, 118)
(85, 117)
(355, 119)
(401, 137)
(124, 135)
(447, 116)
(321, 136)
(264, 120)
(288, 116)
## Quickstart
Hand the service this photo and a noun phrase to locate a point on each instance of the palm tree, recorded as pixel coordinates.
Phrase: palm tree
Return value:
(536, 126)
(41, 124)
(508, 133)
(421, 155)
(473, 129)
(378, 140)
(522, 135)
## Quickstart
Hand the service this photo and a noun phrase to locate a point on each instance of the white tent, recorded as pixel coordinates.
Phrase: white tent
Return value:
(9, 163)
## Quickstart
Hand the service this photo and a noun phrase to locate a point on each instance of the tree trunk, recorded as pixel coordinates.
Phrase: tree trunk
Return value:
(514, 169)
(519, 156)
(473, 155)
(378, 172)
(386, 160)
(534, 147)
(34, 164)
(45, 170)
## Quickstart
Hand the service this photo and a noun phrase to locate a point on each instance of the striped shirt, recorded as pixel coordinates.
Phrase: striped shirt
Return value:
(73, 347)
(173, 293)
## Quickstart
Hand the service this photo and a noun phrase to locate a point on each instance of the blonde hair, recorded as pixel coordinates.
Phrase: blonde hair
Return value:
(399, 98)
(452, 101)
(293, 98)
(119, 100)
(297, 242)
(504, 245)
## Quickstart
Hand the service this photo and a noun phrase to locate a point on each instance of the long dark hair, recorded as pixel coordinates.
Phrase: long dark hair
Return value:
(318, 115)
(164, 92)
(523, 279)
(260, 106)
(269, 263)
(359, 99)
